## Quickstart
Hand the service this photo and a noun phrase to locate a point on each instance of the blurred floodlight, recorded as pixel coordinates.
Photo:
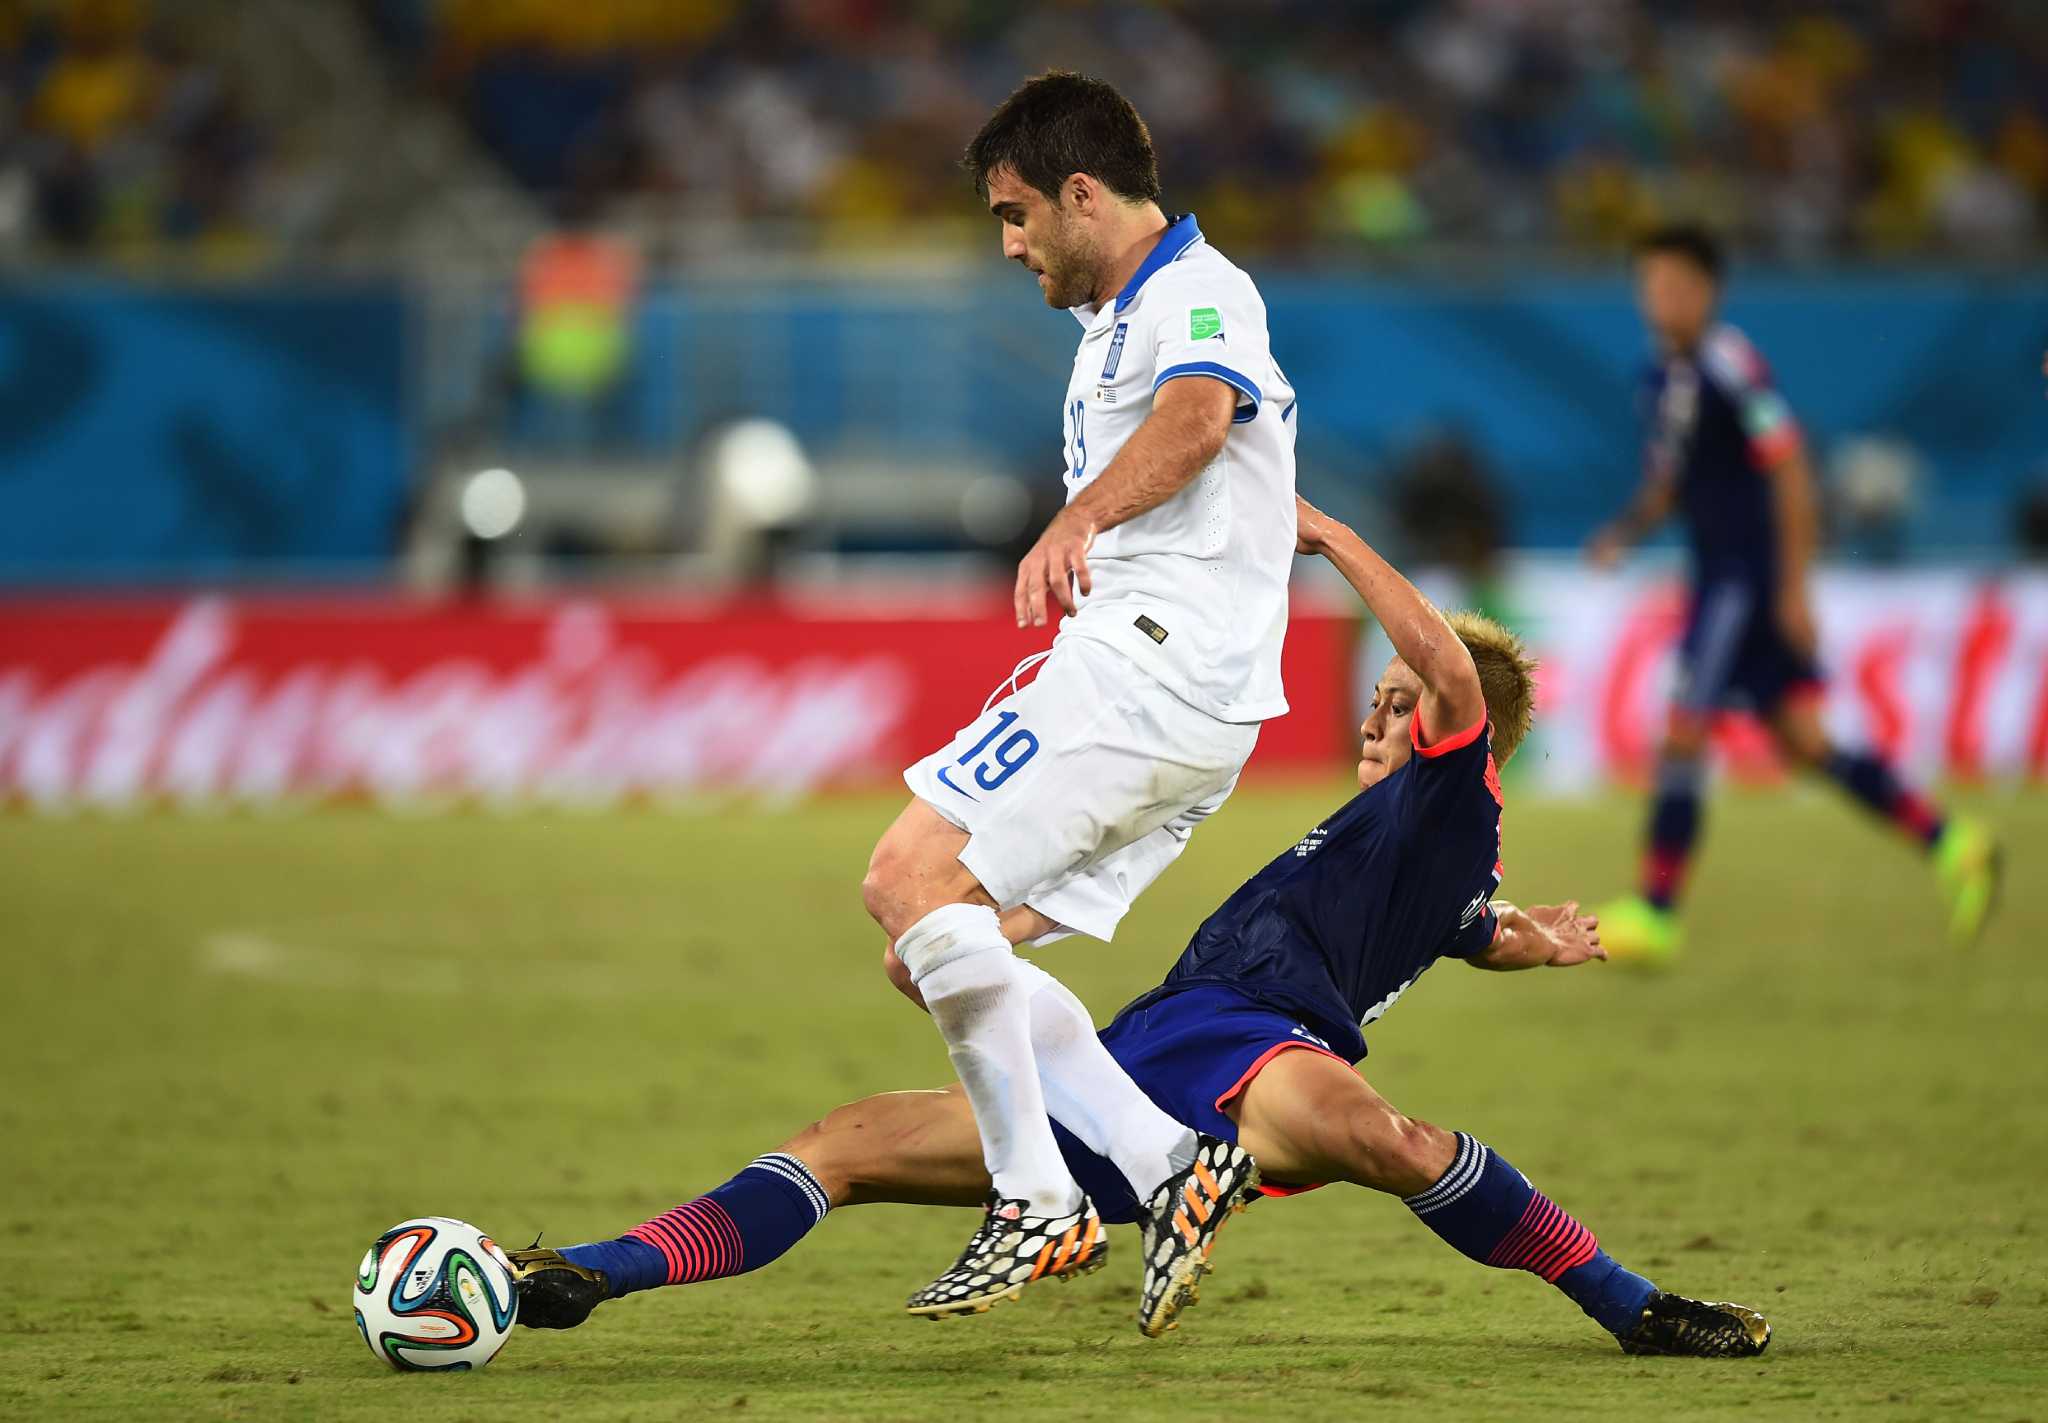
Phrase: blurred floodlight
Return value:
(761, 473)
(1876, 478)
(493, 503)
(995, 509)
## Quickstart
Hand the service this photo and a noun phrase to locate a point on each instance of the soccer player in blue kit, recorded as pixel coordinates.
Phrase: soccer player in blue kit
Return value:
(1727, 456)
(1253, 1034)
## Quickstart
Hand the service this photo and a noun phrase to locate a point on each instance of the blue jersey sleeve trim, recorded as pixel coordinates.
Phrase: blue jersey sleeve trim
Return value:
(1216, 372)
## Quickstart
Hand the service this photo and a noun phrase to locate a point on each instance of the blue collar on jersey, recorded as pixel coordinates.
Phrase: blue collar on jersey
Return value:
(1181, 234)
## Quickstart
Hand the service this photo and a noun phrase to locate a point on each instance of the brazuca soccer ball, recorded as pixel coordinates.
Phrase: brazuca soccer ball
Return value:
(435, 1293)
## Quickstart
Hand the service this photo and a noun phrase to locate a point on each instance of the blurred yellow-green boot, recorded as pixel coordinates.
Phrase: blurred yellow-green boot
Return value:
(1967, 866)
(1635, 931)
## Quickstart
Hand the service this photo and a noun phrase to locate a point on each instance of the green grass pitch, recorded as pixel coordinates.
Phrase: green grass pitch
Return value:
(235, 1049)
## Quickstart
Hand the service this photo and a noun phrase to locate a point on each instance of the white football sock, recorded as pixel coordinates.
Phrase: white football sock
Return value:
(1090, 1094)
(964, 967)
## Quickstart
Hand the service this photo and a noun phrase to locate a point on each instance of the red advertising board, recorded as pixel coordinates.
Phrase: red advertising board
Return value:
(114, 701)
(1944, 671)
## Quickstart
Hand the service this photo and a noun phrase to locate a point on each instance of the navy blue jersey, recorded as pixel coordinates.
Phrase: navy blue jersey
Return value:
(1338, 927)
(1717, 425)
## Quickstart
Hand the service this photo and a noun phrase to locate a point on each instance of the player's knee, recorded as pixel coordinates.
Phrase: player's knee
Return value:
(1391, 1152)
(882, 888)
(1803, 746)
(904, 882)
(898, 974)
(1803, 756)
(1685, 739)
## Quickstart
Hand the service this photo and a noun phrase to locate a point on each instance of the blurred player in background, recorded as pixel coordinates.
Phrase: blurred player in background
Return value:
(1073, 792)
(1255, 1030)
(1726, 454)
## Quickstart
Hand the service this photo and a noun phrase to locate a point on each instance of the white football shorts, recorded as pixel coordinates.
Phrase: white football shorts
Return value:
(1079, 788)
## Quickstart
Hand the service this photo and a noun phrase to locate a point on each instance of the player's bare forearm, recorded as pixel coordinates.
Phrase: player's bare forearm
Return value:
(1792, 496)
(1190, 419)
(1421, 637)
(1650, 507)
(1544, 936)
(1793, 503)
(1189, 422)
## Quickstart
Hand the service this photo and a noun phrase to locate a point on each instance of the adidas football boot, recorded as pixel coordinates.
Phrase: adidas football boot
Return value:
(1181, 1222)
(555, 1293)
(1697, 1329)
(1010, 1250)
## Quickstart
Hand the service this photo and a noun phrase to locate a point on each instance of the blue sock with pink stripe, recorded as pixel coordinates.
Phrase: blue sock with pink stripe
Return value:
(1487, 1210)
(750, 1221)
(1674, 829)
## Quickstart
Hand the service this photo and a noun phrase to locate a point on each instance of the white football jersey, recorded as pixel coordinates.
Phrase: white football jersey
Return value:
(1195, 591)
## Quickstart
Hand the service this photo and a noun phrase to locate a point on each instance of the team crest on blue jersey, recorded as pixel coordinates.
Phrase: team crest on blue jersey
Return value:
(1116, 352)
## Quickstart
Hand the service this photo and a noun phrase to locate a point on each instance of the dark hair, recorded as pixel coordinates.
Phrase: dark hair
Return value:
(1684, 239)
(1060, 124)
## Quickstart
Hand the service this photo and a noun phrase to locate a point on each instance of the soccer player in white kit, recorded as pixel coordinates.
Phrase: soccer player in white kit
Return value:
(1055, 807)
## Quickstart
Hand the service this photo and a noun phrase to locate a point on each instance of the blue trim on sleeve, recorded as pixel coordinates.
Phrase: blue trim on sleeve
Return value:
(1181, 234)
(1216, 372)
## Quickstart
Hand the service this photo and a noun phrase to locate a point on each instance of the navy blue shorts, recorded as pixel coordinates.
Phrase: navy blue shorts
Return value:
(1733, 657)
(1193, 1053)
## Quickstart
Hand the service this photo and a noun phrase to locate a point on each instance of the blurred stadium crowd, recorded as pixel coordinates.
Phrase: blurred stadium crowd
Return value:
(1873, 127)
(1883, 125)
(121, 134)
(1879, 126)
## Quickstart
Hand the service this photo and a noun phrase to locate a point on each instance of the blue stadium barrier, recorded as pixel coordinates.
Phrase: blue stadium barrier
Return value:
(167, 434)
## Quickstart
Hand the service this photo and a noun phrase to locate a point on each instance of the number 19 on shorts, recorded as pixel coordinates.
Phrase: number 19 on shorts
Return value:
(996, 757)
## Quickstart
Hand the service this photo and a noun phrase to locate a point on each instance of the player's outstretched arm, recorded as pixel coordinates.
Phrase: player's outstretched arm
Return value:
(1651, 506)
(1190, 419)
(1451, 699)
(1543, 936)
(1793, 501)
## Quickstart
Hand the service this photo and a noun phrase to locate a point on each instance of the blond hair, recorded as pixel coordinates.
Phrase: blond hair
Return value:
(1507, 678)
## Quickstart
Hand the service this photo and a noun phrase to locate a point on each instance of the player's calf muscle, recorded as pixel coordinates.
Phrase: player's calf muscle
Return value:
(1398, 1154)
(1372, 1146)
(1020, 926)
(1308, 1117)
(912, 1148)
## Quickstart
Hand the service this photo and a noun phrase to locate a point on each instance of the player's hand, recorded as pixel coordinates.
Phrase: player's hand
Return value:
(1057, 563)
(1574, 937)
(1309, 527)
(1313, 529)
(1605, 549)
(1795, 621)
